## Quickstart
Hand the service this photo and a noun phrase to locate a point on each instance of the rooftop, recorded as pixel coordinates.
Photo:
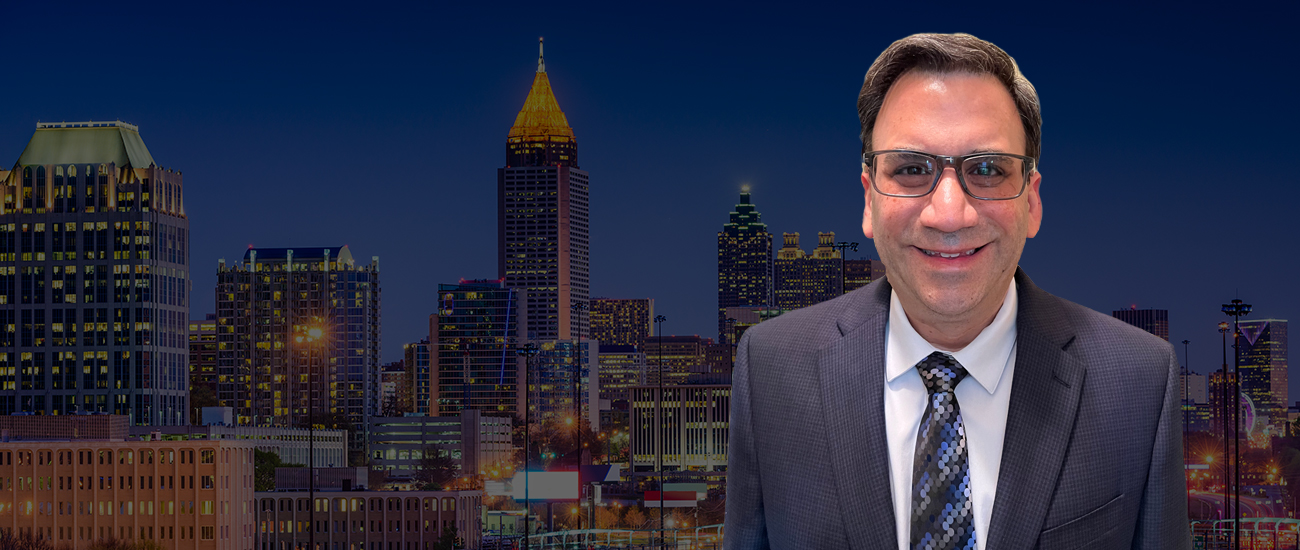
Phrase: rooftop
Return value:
(90, 142)
(541, 115)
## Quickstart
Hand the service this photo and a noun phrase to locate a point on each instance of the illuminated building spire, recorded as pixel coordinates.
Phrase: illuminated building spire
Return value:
(541, 135)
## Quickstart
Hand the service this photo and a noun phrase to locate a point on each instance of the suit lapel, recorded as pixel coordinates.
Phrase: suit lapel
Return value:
(1045, 394)
(852, 375)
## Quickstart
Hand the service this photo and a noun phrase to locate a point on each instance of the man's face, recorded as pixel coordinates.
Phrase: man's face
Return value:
(950, 114)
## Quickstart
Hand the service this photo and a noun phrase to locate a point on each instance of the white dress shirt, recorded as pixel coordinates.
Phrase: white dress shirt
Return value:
(983, 397)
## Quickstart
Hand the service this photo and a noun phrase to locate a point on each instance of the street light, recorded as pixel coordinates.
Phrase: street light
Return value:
(659, 405)
(528, 352)
(1236, 309)
(1224, 412)
(1187, 375)
(842, 247)
(578, 308)
(310, 335)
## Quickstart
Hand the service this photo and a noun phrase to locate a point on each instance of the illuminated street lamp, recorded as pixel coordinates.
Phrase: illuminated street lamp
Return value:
(1236, 309)
(310, 335)
(659, 405)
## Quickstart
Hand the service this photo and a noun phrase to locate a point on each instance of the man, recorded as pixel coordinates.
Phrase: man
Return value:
(953, 404)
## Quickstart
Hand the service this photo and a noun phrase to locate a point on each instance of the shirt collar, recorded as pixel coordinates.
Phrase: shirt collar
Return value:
(985, 358)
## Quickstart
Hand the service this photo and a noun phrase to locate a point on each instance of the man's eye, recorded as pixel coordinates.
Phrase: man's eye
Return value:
(985, 169)
(913, 170)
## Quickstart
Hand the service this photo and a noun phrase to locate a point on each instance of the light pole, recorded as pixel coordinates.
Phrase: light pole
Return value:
(1187, 375)
(842, 246)
(1236, 309)
(310, 335)
(528, 352)
(659, 405)
(1224, 413)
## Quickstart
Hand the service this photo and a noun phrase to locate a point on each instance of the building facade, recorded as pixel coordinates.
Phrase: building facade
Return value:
(1263, 367)
(1155, 321)
(622, 321)
(860, 273)
(292, 445)
(744, 262)
(563, 384)
(203, 357)
(477, 442)
(675, 358)
(366, 520)
(94, 277)
(802, 280)
(689, 426)
(473, 343)
(621, 368)
(181, 494)
(543, 233)
(298, 331)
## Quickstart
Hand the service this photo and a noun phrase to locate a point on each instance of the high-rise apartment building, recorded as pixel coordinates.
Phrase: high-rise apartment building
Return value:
(677, 357)
(563, 384)
(802, 280)
(622, 322)
(473, 342)
(419, 374)
(860, 273)
(621, 367)
(298, 331)
(744, 262)
(1263, 368)
(1155, 321)
(542, 217)
(94, 261)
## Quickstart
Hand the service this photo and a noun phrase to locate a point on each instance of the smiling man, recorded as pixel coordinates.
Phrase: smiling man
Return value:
(953, 404)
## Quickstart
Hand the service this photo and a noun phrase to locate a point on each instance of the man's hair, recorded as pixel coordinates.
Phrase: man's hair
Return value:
(945, 54)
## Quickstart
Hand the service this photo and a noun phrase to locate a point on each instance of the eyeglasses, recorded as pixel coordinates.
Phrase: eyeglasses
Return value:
(984, 176)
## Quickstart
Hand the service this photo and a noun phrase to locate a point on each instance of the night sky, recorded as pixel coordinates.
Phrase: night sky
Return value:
(1169, 141)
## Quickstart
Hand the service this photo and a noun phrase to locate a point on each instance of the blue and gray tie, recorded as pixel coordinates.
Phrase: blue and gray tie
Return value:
(941, 501)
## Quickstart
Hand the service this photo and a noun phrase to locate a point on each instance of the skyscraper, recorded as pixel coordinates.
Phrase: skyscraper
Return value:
(94, 260)
(1155, 321)
(860, 273)
(473, 339)
(542, 217)
(415, 356)
(298, 338)
(744, 262)
(1263, 365)
(622, 322)
(802, 280)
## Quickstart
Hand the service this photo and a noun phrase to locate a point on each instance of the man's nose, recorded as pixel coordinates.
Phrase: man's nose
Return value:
(950, 208)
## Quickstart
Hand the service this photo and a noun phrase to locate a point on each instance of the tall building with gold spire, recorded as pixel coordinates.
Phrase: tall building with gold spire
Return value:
(542, 216)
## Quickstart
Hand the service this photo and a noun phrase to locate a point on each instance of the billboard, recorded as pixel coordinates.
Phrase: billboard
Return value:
(546, 486)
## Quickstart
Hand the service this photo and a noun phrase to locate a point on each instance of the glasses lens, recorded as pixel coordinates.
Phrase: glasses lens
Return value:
(903, 173)
(994, 176)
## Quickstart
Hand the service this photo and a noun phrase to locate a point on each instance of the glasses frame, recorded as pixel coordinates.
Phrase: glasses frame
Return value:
(1031, 166)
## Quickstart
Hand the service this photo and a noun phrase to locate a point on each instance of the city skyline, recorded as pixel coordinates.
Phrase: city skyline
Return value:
(721, 118)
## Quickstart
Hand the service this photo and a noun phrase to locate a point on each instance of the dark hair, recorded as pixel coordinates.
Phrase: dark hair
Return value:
(949, 53)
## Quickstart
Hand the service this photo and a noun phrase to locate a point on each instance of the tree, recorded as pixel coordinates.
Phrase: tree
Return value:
(264, 465)
(448, 539)
(635, 518)
(201, 395)
(435, 469)
(24, 540)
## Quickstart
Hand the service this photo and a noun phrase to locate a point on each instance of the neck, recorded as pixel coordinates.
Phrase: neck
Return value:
(949, 332)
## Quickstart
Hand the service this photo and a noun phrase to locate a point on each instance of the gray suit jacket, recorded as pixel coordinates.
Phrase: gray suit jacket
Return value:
(1092, 456)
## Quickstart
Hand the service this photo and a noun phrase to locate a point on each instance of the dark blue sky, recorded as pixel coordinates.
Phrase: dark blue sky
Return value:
(1168, 149)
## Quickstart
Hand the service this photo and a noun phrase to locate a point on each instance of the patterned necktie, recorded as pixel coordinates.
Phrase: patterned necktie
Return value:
(942, 518)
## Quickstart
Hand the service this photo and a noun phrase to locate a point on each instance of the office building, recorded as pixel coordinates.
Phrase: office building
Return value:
(477, 442)
(690, 423)
(860, 273)
(365, 520)
(418, 374)
(621, 367)
(192, 494)
(622, 322)
(94, 277)
(292, 445)
(564, 385)
(1193, 388)
(543, 216)
(203, 358)
(802, 280)
(676, 357)
(1263, 368)
(473, 346)
(1155, 321)
(744, 261)
(394, 390)
(298, 337)
(1218, 415)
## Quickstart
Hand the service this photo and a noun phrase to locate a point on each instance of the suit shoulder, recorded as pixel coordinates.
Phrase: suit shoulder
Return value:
(807, 328)
(1098, 337)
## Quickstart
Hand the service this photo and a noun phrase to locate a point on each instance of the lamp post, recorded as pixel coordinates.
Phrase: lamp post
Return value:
(842, 247)
(1187, 374)
(659, 405)
(1236, 309)
(310, 335)
(1224, 412)
(528, 352)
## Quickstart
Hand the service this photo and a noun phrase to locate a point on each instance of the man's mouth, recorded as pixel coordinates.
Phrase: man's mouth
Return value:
(950, 254)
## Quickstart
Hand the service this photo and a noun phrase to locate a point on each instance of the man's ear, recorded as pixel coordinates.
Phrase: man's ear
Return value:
(866, 210)
(1035, 204)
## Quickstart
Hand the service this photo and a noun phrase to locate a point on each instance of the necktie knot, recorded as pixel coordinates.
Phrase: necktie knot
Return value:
(941, 372)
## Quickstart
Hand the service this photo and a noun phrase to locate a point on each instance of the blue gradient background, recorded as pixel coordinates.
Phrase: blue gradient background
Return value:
(1168, 158)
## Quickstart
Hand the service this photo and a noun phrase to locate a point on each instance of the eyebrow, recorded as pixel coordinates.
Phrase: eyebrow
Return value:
(976, 151)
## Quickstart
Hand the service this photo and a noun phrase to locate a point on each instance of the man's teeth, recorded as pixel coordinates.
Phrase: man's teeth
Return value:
(943, 255)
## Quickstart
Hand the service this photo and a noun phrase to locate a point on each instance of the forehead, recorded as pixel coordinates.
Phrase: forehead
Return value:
(948, 113)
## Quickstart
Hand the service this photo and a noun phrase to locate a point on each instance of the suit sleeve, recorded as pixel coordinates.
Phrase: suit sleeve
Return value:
(746, 525)
(1162, 518)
